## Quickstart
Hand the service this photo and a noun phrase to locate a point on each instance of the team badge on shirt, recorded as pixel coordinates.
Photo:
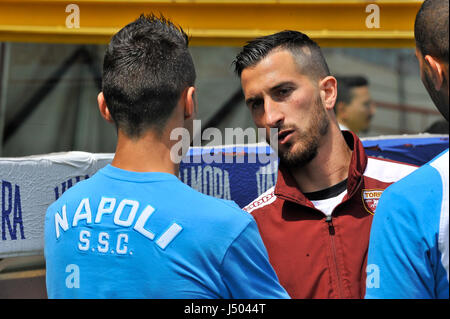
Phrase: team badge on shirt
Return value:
(370, 199)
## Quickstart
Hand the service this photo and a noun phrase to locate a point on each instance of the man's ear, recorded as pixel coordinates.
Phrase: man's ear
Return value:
(104, 111)
(328, 91)
(190, 103)
(436, 73)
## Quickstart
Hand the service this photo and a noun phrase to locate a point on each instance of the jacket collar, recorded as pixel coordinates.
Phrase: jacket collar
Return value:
(286, 187)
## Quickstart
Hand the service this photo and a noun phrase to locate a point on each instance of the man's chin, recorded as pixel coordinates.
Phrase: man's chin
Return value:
(297, 159)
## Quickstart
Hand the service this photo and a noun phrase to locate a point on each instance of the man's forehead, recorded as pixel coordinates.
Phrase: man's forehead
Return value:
(274, 69)
(275, 59)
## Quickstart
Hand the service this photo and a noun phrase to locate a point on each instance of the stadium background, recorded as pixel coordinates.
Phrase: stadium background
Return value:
(50, 74)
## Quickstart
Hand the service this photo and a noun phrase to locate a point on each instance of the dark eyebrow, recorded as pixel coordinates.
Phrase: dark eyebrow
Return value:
(279, 86)
(251, 100)
(272, 89)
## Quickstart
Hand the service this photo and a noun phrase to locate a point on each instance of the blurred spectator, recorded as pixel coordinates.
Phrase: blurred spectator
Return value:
(354, 106)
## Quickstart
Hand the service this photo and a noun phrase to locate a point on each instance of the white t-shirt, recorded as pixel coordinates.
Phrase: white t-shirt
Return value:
(327, 205)
(327, 199)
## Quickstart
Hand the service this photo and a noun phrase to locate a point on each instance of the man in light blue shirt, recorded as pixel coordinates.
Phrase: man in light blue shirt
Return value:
(409, 241)
(134, 230)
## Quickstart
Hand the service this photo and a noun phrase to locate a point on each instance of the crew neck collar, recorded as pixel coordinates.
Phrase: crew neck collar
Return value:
(118, 173)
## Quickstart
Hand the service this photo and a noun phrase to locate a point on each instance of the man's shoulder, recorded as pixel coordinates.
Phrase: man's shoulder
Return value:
(416, 191)
(416, 206)
(263, 200)
(77, 191)
(66, 204)
(207, 216)
(222, 209)
(428, 176)
(441, 164)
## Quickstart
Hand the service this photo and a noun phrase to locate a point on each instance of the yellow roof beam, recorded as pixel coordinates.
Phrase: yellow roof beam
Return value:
(221, 22)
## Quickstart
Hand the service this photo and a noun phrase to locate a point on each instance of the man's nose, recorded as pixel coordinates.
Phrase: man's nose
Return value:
(274, 116)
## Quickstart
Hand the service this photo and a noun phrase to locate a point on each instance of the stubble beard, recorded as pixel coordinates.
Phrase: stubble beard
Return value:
(306, 145)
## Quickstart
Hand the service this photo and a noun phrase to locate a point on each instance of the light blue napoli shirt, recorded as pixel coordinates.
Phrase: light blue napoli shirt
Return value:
(409, 244)
(123, 234)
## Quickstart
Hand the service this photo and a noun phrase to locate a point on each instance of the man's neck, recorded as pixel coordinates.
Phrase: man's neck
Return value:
(147, 154)
(329, 167)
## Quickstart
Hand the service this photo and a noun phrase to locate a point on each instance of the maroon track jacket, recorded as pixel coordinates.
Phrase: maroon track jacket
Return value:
(315, 257)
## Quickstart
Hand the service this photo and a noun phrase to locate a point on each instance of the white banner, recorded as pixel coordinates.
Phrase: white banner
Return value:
(28, 186)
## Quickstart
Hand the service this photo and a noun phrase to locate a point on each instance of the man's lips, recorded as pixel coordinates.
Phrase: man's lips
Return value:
(285, 135)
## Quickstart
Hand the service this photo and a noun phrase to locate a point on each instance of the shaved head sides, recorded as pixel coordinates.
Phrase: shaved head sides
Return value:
(306, 52)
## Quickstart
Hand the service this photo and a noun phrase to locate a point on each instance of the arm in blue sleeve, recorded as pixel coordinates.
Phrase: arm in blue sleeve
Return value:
(402, 241)
(246, 270)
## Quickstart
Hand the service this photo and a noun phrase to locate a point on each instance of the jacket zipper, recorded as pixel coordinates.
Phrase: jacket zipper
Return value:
(331, 231)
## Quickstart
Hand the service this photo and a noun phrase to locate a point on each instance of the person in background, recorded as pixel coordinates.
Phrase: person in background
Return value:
(409, 241)
(315, 222)
(134, 230)
(354, 106)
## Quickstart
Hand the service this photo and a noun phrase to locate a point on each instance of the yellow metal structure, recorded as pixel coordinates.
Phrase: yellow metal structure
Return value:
(221, 22)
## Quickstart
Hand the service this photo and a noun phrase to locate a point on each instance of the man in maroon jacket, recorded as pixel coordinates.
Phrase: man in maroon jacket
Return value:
(316, 221)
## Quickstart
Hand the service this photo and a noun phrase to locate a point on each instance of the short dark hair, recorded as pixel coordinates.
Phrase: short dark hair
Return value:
(147, 66)
(345, 84)
(431, 29)
(312, 63)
